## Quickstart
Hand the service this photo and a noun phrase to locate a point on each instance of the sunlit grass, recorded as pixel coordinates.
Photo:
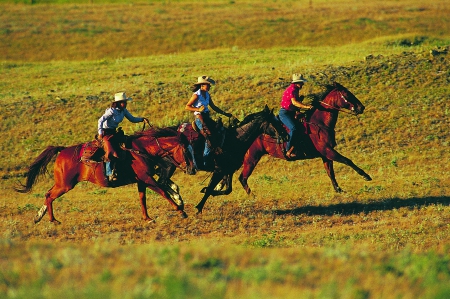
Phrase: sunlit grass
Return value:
(294, 236)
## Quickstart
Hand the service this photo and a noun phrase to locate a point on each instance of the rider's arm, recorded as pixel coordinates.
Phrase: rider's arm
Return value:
(132, 118)
(102, 120)
(189, 106)
(218, 110)
(300, 104)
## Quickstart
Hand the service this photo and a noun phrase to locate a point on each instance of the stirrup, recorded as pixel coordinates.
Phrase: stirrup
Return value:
(289, 155)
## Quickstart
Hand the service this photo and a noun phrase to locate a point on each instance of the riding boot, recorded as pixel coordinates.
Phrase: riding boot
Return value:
(109, 148)
(207, 135)
(111, 172)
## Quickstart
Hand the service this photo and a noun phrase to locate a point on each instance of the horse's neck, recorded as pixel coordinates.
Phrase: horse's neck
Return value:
(325, 116)
(248, 131)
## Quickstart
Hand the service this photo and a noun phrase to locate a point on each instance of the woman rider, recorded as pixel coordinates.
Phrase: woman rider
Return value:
(107, 128)
(199, 103)
(291, 102)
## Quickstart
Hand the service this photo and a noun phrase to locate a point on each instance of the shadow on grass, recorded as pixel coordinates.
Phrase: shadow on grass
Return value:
(357, 208)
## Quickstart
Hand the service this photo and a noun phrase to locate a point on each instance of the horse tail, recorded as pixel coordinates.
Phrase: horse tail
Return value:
(39, 167)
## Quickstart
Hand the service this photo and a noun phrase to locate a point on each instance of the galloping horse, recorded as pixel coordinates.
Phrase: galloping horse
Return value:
(321, 142)
(149, 153)
(237, 141)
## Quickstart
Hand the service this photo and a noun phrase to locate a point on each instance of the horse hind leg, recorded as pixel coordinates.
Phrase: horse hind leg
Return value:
(244, 184)
(40, 213)
(50, 196)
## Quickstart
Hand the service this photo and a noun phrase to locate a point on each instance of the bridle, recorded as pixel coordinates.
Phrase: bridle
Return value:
(171, 158)
(340, 109)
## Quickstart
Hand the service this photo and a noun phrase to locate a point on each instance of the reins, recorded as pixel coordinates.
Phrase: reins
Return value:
(167, 154)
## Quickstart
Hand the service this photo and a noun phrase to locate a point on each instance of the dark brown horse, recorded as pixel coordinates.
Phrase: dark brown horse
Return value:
(320, 141)
(149, 153)
(236, 143)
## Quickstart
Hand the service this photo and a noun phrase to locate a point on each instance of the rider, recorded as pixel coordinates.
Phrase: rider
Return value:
(291, 102)
(107, 128)
(199, 103)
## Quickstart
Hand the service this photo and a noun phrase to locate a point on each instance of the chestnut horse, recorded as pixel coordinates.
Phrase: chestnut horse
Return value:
(320, 143)
(236, 143)
(154, 151)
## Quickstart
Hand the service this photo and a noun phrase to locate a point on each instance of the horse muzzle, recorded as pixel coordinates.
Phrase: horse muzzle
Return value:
(358, 109)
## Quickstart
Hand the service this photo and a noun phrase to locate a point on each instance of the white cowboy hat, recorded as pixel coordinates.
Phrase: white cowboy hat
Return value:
(297, 78)
(205, 80)
(121, 96)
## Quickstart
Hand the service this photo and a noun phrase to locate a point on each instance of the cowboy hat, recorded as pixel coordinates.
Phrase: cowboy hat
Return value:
(297, 78)
(121, 96)
(205, 80)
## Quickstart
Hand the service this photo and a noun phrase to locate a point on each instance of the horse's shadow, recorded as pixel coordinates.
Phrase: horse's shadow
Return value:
(354, 208)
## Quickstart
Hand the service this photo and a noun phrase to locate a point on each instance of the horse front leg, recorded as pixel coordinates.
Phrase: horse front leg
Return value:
(143, 200)
(143, 173)
(328, 164)
(215, 179)
(227, 181)
(333, 155)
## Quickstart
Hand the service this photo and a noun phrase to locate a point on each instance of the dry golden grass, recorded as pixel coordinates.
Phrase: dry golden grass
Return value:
(294, 237)
(84, 31)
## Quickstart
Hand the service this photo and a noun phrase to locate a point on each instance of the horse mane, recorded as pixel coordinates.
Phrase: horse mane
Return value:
(320, 95)
(156, 132)
(253, 116)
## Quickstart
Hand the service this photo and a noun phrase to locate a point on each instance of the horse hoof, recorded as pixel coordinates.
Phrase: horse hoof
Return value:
(203, 190)
(367, 178)
(184, 215)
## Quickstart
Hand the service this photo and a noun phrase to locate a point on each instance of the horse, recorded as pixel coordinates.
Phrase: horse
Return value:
(148, 153)
(320, 142)
(236, 143)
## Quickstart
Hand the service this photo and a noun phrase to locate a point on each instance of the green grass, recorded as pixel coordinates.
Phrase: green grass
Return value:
(179, 271)
(294, 236)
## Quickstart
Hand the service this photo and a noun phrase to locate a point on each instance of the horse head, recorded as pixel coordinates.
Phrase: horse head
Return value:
(164, 144)
(341, 98)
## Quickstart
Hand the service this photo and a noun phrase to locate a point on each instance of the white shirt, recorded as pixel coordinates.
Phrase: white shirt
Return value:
(113, 117)
(201, 101)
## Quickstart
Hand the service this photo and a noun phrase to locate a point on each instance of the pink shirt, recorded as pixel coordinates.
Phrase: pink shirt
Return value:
(291, 92)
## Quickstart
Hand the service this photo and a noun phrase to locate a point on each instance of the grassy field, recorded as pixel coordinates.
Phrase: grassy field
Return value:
(294, 237)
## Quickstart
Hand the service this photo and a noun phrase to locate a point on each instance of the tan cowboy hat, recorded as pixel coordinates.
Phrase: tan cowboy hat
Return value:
(121, 96)
(297, 78)
(205, 80)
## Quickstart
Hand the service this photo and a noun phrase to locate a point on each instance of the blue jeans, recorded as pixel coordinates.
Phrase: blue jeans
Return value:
(108, 169)
(288, 119)
(207, 158)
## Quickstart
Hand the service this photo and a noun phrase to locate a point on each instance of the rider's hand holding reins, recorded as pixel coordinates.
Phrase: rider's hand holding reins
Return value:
(146, 121)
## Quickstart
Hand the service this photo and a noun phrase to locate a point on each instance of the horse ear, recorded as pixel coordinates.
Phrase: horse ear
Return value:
(266, 108)
(337, 85)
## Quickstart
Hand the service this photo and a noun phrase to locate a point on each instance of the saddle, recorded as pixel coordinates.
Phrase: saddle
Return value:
(92, 151)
